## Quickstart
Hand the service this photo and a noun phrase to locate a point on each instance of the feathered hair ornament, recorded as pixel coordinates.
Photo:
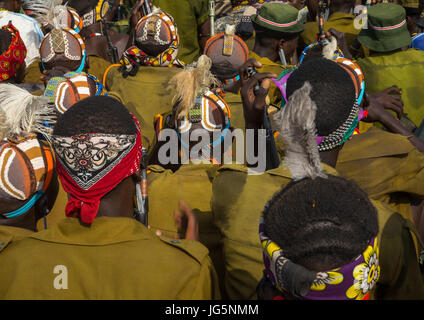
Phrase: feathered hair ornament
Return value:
(47, 12)
(297, 128)
(22, 111)
(188, 83)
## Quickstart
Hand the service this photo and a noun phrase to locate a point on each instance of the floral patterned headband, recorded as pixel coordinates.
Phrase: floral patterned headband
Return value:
(353, 281)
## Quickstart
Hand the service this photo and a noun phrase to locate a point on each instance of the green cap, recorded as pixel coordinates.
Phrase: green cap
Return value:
(387, 28)
(279, 17)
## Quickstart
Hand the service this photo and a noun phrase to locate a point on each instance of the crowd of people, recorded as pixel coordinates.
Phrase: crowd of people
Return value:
(212, 150)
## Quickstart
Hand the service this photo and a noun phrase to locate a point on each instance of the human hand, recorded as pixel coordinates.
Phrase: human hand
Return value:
(380, 102)
(186, 222)
(254, 101)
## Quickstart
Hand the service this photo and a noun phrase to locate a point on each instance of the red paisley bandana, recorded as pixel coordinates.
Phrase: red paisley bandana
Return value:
(13, 58)
(91, 165)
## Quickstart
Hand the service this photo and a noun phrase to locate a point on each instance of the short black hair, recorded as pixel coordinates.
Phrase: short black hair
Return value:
(5, 40)
(97, 114)
(333, 91)
(325, 222)
(82, 7)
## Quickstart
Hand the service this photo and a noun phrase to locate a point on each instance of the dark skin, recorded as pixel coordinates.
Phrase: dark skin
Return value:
(270, 47)
(29, 219)
(59, 67)
(120, 203)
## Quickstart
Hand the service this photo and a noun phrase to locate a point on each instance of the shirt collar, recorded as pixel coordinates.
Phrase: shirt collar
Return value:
(103, 231)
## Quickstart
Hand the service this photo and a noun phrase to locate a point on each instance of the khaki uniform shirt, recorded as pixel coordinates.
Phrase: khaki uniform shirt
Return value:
(192, 184)
(145, 95)
(339, 21)
(386, 166)
(114, 258)
(237, 202)
(189, 15)
(404, 69)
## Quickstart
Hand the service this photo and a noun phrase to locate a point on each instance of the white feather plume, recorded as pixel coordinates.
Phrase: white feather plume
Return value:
(296, 122)
(47, 12)
(329, 48)
(22, 111)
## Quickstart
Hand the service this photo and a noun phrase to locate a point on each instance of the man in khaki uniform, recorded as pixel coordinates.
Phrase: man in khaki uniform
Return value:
(140, 82)
(189, 181)
(101, 251)
(391, 63)
(237, 216)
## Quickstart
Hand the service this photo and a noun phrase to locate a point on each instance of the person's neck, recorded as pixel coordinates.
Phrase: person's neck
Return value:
(120, 201)
(266, 52)
(340, 9)
(329, 157)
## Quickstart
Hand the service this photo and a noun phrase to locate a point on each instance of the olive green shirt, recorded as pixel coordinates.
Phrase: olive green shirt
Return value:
(237, 202)
(340, 21)
(97, 66)
(386, 166)
(192, 184)
(113, 259)
(189, 15)
(9, 234)
(145, 95)
(404, 69)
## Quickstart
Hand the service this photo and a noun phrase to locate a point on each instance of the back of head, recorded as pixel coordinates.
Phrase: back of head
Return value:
(65, 91)
(321, 224)
(97, 143)
(197, 107)
(320, 241)
(82, 7)
(5, 40)
(51, 14)
(29, 182)
(13, 53)
(157, 33)
(63, 48)
(277, 21)
(387, 28)
(333, 92)
(98, 115)
(228, 53)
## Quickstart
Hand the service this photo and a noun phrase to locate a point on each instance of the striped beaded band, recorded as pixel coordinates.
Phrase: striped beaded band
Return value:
(342, 133)
(387, 28)
(280, 25)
